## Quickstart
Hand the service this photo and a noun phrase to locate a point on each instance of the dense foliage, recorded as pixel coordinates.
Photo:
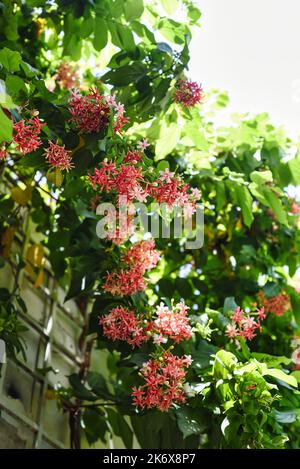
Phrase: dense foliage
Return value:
(202, 344)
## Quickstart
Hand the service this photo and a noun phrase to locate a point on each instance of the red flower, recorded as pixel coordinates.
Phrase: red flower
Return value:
(133, 156)
(244, 324)
(89, 113)
(188, 93)
(122, 324)
(164, 379)
(58, 156)
(26, 135)
(277, 305)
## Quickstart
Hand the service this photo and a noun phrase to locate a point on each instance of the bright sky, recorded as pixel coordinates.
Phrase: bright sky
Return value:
(251, 48)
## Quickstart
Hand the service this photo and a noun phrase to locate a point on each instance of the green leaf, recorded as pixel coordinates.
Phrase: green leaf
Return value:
(79, 389)
(224, 362)
(100, 33)
(229, 305)
(191, 421)
(10, 59)
(6, 127)
(170, 6)
(95, 425)
(245, 200)
(126, 74)
(133, 9)
(120, 427)
(279, 374)
(168, 138)
(271, 360)
(261, 177)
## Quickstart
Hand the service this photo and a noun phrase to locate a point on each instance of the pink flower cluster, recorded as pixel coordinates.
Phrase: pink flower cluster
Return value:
(67, 76)
(188, 93)
(171, 323)
(58, 157)
(244, 324)
(123, 324)
(26, 135)
(140, 258)
(277, 305)
(164, 379)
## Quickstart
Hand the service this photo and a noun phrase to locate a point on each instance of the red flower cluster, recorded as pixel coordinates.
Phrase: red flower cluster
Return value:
(58, 156)
(277, 305)
(67, 76)
(124, 282)
(126, 180)
(89, 113)
(133, 156)
(188, 93)
(123, 324)
(164, 379)
(26, 135)
(172, 323)
(142, 256)
(243, 324)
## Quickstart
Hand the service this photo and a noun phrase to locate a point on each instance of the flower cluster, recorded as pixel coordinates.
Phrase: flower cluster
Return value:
(139, 258)
(58, 157)
(295, 208)
(142, 256)
(171, 323)
(66, 76)
(277, 305)
(188, 93)
(127, 180)
(123, 324)
(26, 135)
(164, 379)
(89, 113)
(244, 324)
(93, 112)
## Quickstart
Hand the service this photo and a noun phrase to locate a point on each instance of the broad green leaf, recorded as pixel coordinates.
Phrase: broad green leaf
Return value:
(261, 177)
(125, 75)
(191, 421)
(10, 59)
(100, 33)
(170, 6)
(168, 138)
(245, 200)
(279, 374)
(6, 127)
(133, 9)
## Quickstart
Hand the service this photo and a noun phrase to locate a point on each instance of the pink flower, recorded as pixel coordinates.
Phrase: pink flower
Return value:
(295, 208)
(26, 135)
(143, 144)
(142, 256)
(296, 356)
(163, 382)
(196, 194)
(166, 175)
(237, 315)
(188, 93)
(231, 331)
(89, 113)
(172, 323)
(58, 156)
(122, 324)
